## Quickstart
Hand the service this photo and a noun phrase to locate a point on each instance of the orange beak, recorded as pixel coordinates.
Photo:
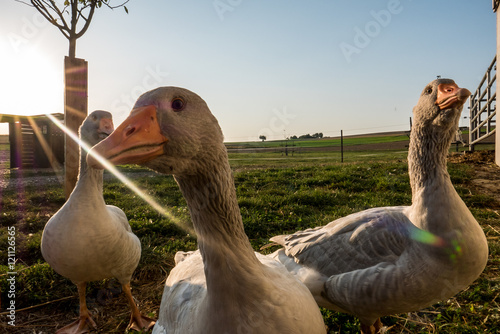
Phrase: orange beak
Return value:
(137, 140)
(451, 96)
(105, 127)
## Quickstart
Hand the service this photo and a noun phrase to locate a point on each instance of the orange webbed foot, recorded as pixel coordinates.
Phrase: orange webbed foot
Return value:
(80, 326)
(373, 329)
(140, 322)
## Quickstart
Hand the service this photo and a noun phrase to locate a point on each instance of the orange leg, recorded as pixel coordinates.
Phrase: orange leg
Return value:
(137, 320)
(82, 324)
(372, 329)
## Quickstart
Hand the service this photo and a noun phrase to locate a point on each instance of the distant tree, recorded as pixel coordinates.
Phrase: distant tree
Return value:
(293, 137)
(68, 16)
(309, 136)
(262, 138)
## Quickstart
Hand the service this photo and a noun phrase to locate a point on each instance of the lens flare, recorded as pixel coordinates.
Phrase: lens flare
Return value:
(426, 237)
(453, 248)
(126, 181)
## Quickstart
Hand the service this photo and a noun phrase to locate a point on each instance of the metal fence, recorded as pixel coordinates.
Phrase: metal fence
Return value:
(482, 105)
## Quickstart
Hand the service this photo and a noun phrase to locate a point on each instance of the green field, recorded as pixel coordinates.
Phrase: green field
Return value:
(277, 194)
(326, 142)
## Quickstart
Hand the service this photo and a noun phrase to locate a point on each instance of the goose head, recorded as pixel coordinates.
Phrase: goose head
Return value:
(170, 130)
(440, 105)
(96, 126)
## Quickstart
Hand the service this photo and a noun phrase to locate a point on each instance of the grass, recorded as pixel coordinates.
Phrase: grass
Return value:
(279, 159)
(277, 194)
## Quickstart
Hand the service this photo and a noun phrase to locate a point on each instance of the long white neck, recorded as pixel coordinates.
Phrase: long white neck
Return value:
(427, 157)
(211, 198)
(89, 184)
(436, 206)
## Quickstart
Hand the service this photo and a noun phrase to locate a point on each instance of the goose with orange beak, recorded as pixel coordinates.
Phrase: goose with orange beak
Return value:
(224, 287)
(393, 260)
(87, 240)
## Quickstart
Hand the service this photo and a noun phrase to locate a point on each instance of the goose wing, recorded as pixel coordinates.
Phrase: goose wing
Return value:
(369, 264)
(357, 241)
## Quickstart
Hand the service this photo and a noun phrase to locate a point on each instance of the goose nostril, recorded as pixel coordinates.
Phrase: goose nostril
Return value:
(130, 131)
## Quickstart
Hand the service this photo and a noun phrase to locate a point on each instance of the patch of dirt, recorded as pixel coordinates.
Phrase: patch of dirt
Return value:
(477, 157)
(487, 174)
(108, 308)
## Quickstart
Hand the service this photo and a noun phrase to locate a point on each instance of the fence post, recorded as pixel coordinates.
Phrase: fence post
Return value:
(75, 111)
(471, 117)
(497, 134)
(341, 146)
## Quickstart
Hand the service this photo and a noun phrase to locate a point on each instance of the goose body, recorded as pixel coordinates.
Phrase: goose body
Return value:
(185, 294)
(392, 260)
(224, 287)
(87, 240)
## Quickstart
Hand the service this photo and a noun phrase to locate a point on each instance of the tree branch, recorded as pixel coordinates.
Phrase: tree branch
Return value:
(88, 20)
(24, 3)
(118, 6)
(81, 10)
(59, 12)
(48, 16)
(51, 5)
(50, 10)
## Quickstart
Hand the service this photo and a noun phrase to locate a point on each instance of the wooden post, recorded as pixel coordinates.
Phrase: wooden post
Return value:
(75, 111)
(497, 134)
(341, 146)
(16, 140)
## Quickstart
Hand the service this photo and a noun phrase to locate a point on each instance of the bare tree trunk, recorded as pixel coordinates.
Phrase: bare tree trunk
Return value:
(72, 48)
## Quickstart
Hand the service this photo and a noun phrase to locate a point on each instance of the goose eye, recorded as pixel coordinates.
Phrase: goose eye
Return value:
(177, 104)
(428, 90)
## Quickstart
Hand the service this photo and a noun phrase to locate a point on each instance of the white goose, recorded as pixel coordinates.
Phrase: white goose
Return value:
(87, 240)
(392, 260)
(224, 287)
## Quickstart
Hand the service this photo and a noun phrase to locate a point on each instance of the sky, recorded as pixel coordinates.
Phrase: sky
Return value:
(265, 67)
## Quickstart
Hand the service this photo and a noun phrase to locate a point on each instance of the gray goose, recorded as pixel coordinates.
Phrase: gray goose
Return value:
(392, 260)
(224, 287)
(87, 240)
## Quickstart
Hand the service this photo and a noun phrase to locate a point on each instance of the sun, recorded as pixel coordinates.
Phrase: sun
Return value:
(31, 84)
